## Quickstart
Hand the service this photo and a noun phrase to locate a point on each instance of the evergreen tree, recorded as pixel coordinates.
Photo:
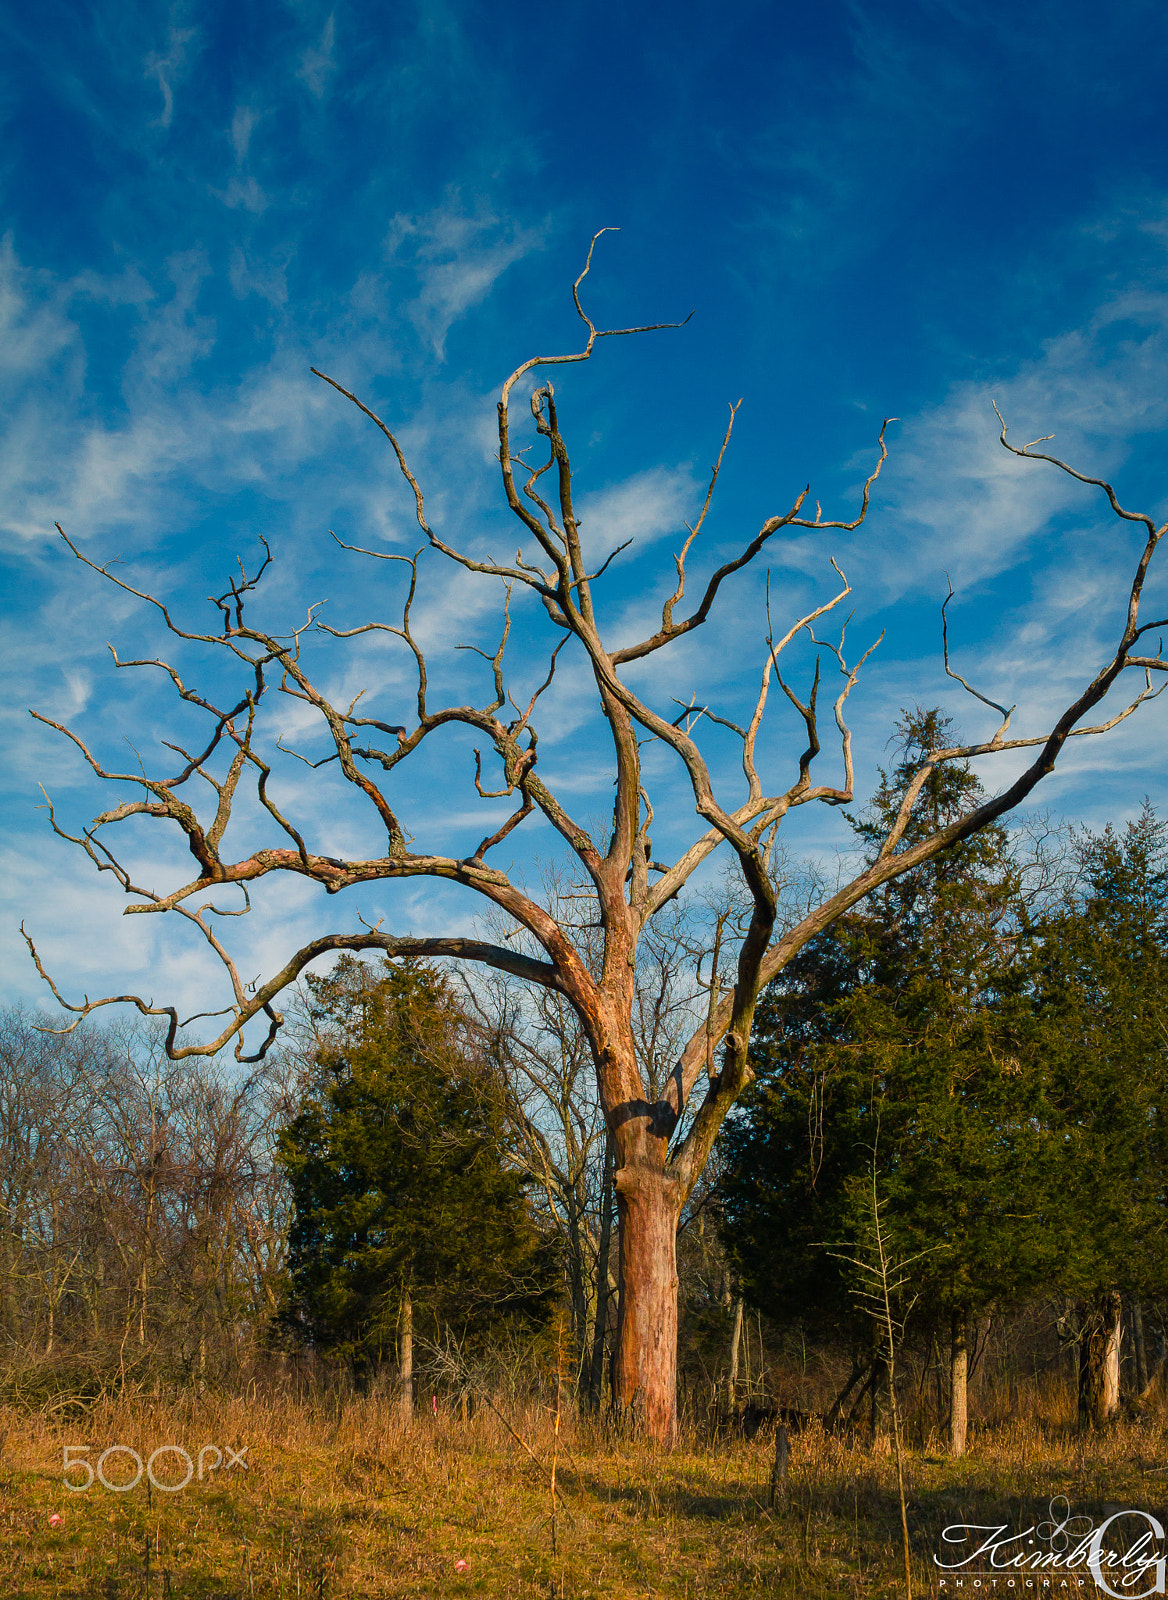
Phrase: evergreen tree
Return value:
(407, 1213)
(897, 1031)
(1101, 1024)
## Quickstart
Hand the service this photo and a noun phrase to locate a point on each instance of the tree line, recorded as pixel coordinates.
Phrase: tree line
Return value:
(141, 1209)
(982, 1046)
(978, 1049)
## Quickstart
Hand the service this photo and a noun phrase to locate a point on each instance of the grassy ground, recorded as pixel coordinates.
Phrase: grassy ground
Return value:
(339, 1501)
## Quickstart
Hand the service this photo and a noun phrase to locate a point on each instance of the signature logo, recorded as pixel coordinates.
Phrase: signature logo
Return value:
(1124, 1555)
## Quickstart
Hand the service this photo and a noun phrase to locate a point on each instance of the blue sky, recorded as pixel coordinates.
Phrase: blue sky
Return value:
(871, 209)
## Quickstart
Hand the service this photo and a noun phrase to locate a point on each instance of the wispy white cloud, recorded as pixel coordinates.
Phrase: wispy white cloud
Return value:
(243, 191)
(266, 277)
(318, 62)
(166, 68)
(123, 469)
(951, 499)
(640, 509)
(826, 171)
(34, 327)
(242, 123)
(458, 255)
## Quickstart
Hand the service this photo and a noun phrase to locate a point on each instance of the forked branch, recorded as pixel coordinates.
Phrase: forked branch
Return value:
(671, 630)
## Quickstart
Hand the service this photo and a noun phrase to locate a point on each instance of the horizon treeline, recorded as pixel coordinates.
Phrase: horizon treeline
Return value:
(420, 1179)
(979, 1050)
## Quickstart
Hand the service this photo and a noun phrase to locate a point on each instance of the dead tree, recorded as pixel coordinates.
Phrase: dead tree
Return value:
(661, 1139)
(556, 1126)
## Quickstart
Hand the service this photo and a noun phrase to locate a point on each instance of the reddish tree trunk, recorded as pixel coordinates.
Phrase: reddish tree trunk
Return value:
(646, 1381)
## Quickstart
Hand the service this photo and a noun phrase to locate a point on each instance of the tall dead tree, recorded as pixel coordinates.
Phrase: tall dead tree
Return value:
(661, 1139)
(556, 1126)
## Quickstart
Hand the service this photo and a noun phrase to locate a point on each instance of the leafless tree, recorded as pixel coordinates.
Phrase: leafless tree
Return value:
(142, 1215)
(44, 1100)
(662, 1134)
(557, 1137)
(557, 1130)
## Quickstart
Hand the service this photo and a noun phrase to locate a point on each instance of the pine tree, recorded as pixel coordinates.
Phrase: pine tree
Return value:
(407, 1214)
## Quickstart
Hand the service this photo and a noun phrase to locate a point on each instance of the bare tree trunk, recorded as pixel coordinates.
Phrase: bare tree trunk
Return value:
(97, 1290)
(406, 1357)
(144, 1280)
(600, 1324)
(958, 1382)
(860, 1369)
(1084, 1373)
(876, 1395)
(1139, 1349)
(1098, 1351)
(9, 1305)
(1112, 1341)
(577, 1291)
(735, 1342)
(646, 1366)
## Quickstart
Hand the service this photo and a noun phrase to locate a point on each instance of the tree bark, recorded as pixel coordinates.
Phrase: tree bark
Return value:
(1084, 1374)
(578, 1292)
(1139, 1348)
(875, 1395)
(735, 1342)
(646, 1368)
(1112, 1342)
(1098, 1350)
(600, 1323)
(406, 1358)
(958, 1382)
(860, 1369)
(9, 1305)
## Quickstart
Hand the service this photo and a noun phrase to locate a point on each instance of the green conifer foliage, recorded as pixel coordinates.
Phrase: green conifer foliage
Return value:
(898, 1029)
(1100, 991)
(400, 1176)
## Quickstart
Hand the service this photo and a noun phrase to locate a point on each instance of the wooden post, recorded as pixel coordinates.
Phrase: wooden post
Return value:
(735, 1343)
(406, 1362)
(779, 1469)
(958, 1383)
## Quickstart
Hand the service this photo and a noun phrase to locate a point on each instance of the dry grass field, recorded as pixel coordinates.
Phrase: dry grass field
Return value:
(337, 1500)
